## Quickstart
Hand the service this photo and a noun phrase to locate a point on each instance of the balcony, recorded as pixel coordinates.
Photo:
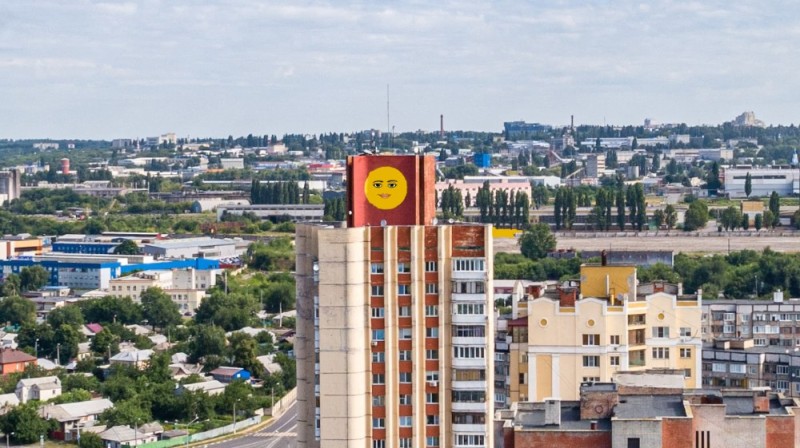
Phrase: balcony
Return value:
(468, 275)
(469, 428)
(469, 363)
(469, 385)
(469, 297)
(469, 340)
(468, 407)
(470, 318)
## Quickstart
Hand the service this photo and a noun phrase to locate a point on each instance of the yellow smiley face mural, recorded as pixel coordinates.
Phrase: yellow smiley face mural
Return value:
(386, 188)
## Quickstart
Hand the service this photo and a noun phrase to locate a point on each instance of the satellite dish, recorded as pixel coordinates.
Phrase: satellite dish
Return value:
(383, 223)
(435, 221)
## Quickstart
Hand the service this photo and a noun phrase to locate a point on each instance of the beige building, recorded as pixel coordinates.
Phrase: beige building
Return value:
(606, 323)
(186, 287)
(395, 336)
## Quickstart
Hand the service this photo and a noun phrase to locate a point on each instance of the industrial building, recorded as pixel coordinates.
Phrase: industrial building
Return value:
(783, 180)
(395, 329)
(10, 185)
(293, 212)
(202, 247)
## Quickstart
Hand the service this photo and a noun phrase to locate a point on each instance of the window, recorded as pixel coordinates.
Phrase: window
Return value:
(376, 290)
(591, 379)
(660, 353)
(432, 332)
(380, 443)
(405, 377)
(376, 268)
(470, 440)
(782, 385)
(378, 400)
(432, 376)
(405, 421)
(728, 329)
(403, 290)
(469, 396)
(614, 360)
(591, 361)
(430, 266)
(431, 354)
(737, 368)
(377, 335)
(432, 441)
(591, 339)
(686, 332)
(719, 367)
(403, 268)
(614, 339)
(660, 332)
(468, 264)
(633, 442)
(432, 397)
(468, 352)
(405, 311)
(434, 419)
(378, 378)
(760, 342)
(469, 308)
(469, 375)
(687, 373)
(469, 331)
(729, 317)
(377, 312)
(405, 355)
(469, 287)
(431, 310)
(378, 356)
(686, 353)
(405, 399)
(782, 370)
(431, 288)
(378, 423)
(405, 442)
(405, 333)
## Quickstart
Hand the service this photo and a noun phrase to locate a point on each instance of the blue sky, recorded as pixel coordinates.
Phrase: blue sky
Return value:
(106, 69)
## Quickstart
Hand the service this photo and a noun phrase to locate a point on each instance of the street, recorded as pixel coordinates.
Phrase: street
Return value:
(279, 434)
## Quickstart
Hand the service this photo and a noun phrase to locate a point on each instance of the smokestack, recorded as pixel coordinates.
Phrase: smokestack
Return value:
(552, 411)
(65, 166)
(441, 126)
(572, 123)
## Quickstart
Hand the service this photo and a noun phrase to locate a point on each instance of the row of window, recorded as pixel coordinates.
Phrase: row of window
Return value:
(430, 441)
(379, 312)
(658, 353)
(404, 333)
(405, 355)
(459, 265)
(377, 268)
(404, 289)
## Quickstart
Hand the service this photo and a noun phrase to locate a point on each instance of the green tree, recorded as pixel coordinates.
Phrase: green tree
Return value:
(775, 208)
(66, 338)
(658, 218)
(537, 242)
(26, 424)
(670, 216)
(69, 315)
(206, 340)
(244, 351)
(91, 440)
(17, 311)
(12, 286)
(759, 222)
(127, 412)
(111, 309)
(748, 184)
(33, 277)
(730, 218)
(769, 219)
(658, 271)
(105, 343)
(127, 247)
(696, 217)
(159, 309)
(796, 219)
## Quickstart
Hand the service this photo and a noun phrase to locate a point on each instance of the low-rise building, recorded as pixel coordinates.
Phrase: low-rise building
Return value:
(203, 247)
(137, 359)
(230, 374)
(73, 416)
(186, 287)
(13, 360)
(42, 389)
(212, 387)
(125, 436)
(294, 212)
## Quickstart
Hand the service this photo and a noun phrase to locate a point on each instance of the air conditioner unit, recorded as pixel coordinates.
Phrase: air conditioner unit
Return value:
(686, 339)
(374, 343)
(433, 383)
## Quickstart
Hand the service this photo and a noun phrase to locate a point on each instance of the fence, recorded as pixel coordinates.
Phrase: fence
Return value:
(283, 404)
(205, 435)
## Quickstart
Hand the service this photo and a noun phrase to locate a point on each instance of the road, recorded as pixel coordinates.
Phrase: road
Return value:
(279, 434)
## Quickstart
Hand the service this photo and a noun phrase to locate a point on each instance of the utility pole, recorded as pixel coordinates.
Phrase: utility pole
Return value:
(58, 354)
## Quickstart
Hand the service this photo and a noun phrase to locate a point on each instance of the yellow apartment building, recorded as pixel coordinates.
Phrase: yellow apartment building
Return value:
(606, 322)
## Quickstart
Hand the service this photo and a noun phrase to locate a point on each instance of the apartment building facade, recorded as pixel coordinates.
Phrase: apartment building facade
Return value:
(395, 327)
(604, 324)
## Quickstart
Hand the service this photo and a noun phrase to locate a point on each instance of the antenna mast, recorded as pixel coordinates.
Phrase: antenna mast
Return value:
(388, 120)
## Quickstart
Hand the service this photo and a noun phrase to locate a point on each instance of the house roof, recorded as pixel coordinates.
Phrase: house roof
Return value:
(133, 356)
(121, 434)
(8, 400)
(268, 361)
(43, 381)
(94, 328)
(75, 411)
(226, 371)
(205, 386)
(46, 364)
(12, 356)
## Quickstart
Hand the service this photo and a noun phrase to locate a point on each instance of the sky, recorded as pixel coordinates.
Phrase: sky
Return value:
(84, 69)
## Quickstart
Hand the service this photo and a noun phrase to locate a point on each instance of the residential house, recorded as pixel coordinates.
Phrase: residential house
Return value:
(212, 387)
(230, 374)
(125, 436)
(137, 359)
(72, 416)
(13, 360)
(8, 401)
(270, 366)
(42, 389)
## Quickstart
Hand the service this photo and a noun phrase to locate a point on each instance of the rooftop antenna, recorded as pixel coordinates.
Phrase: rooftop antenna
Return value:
(388, 121)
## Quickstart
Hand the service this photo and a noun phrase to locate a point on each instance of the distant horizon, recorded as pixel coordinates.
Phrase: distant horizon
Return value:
(134, 68)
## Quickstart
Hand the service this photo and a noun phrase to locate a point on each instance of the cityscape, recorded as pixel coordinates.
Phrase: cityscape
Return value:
(399, 225)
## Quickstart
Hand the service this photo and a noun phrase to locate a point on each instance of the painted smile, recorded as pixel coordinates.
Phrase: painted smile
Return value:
(385, 195)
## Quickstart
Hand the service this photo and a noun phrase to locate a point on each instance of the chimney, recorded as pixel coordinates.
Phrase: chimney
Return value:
(572, 123)
(777, 296)
(535, 290)
(760, 404)
(552, 411)
(441, 126)
(567, 297)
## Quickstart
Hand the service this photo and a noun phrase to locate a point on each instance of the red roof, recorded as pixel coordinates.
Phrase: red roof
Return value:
(518, 322)
(94, 328)
(13, 356)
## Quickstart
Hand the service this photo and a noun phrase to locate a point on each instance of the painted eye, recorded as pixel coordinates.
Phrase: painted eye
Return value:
(392, 184)
(377, 184)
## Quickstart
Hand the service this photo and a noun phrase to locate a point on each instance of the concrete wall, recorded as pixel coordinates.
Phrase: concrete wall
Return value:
(562, 439)
(648, 431)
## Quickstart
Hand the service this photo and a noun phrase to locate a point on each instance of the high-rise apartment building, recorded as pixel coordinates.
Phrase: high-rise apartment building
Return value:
(395, 329)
